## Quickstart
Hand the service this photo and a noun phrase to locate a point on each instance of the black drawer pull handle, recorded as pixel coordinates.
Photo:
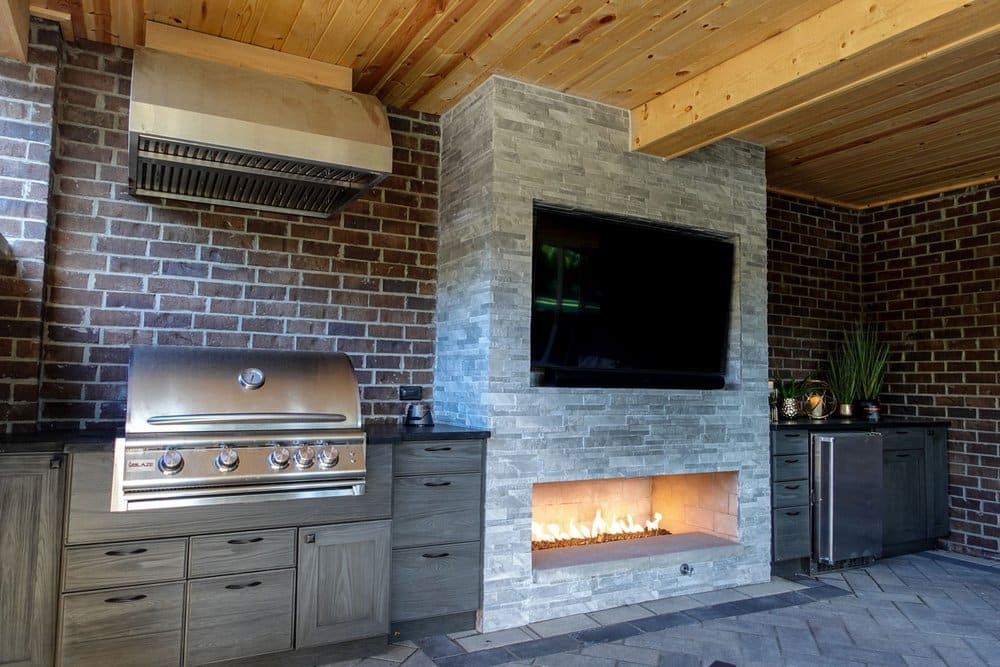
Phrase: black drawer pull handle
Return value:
(237, 587)
(440, 555)
(134, 598)
(902, 432)
(792, 487)
(791, 460)
(793, 435)
(437, 449)
(902, 456)
(134, 552)
(792, 513)
(437, 483)
(252, 540)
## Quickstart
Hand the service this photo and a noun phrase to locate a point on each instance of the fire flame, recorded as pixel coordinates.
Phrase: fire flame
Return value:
(553, 532)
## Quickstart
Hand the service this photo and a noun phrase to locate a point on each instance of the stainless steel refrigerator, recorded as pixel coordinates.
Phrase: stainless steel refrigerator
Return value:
(847, 496)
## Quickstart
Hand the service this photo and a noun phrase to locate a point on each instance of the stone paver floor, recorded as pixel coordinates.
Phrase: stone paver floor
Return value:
(928, 609)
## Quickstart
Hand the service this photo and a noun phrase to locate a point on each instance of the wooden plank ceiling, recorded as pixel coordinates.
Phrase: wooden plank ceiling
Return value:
(858, 102)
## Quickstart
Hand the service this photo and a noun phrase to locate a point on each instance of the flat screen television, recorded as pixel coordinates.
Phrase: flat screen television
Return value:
(620, 302)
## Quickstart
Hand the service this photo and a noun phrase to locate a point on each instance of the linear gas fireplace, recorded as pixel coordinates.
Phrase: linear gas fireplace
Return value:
(595, 520)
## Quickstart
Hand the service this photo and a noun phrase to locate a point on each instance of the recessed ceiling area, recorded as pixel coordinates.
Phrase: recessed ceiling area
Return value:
(858, 103)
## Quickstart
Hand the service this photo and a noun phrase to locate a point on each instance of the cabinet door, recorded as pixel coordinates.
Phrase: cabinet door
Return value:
(343, 583)
(239, 615)
(31, 511)
(904, 508)
(936, 454)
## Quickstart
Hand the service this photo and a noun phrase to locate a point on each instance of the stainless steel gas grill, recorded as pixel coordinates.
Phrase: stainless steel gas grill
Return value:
(208, 425)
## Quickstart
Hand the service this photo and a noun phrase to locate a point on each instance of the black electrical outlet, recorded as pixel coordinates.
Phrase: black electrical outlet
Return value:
(410, 392)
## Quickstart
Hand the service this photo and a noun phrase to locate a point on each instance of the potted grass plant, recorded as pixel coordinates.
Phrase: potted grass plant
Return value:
(842, 379)
(870, 357)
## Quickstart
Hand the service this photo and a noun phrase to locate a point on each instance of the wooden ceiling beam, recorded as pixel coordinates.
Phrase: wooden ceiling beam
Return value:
(864, 40)
(14, 19)
(230, 52)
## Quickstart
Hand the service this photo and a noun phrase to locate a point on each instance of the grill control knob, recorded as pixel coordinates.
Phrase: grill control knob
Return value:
(171, 462)
(227, 459)
(278, 458)
(305, 457)
(328, 456)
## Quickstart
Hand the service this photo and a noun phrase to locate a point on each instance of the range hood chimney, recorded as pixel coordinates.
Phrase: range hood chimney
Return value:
(207, 132)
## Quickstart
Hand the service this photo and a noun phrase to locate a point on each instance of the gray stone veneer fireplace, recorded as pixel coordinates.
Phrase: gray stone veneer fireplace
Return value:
(505, 146)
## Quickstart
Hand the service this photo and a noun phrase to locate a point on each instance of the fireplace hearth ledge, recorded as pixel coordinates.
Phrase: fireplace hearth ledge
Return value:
(572, 563)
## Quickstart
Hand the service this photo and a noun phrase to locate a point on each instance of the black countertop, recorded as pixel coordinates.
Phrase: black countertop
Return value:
(103, 439)
(856, 424)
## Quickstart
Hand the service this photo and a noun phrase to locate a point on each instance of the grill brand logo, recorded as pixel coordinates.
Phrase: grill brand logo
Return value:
(141, 464)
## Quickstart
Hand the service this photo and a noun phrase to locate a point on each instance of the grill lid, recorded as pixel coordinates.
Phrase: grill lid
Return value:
(186, 390)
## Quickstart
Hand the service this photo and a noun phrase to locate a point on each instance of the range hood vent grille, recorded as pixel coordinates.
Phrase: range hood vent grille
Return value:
(211, 174)
(208, 132)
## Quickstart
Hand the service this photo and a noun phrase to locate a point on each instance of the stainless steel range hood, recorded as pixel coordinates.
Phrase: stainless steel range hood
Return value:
(207, 132)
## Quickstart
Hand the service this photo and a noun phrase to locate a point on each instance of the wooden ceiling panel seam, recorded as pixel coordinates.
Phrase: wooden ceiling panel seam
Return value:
(350, 18)
(950, 167)
(275, 23)
(174, 13)
(487, 59)
(440, 51)
(907, 90)
(368, 45)
(849, 138)
(394, 53)
(310, 23)
(468, 43)
(241, 20)
(921, 138)
(206, 16)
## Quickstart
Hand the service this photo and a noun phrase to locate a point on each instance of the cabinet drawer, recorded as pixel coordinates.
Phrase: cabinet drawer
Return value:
(434, 581)
(790, 493)
(239, 615)
(789, 442)
(902, 438)
(789, 466)
(139, 626)
(241, 552)
(429, 457)
(790, 527)
(123, 564)
(436, 509)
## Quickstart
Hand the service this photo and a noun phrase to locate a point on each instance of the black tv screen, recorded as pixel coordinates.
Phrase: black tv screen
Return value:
(618, 302)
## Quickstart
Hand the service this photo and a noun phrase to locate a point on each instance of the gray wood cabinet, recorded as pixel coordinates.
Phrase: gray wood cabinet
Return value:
(343, 582)
(166, 588)
(31, 492)
(239, 615)
(914, 494)
(437, 535)
(904, 496)
(137, 626)
(790, 519)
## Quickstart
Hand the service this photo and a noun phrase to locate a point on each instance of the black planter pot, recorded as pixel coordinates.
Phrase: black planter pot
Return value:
(871, 409)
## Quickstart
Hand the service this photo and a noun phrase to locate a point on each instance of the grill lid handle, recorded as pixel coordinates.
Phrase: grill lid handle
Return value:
(248, 418)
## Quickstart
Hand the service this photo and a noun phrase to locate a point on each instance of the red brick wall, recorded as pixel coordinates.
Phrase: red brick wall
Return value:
(124, 271)
(932, 271)
(813, 273)
(27, 95)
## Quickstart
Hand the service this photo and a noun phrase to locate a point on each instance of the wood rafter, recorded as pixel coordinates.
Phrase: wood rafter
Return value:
(866, 40)
(230, 52)
(14, 29)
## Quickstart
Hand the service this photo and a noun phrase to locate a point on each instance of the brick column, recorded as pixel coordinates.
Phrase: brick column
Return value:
(27, 97)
